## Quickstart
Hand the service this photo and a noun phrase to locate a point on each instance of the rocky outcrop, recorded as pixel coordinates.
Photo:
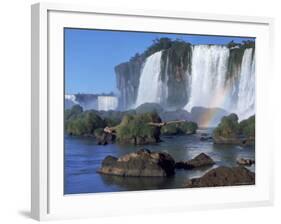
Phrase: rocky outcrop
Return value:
(104, 138)
(224, 176)
(205, 137)
(136, 129)
(141, 163)
(199, 161)
(245, 162)
(230, 131)
(127, 78)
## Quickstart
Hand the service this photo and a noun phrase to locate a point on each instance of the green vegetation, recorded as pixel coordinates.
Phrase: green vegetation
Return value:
(158, 45)
(236, 55)
(247, 127)
(179, 54)
(230, 128)
(149, 107)
(84, 124)
(134, 126)
(179, 128)
(136, 129)
(98, 132)
(73, 112)
(175, 61)
(80, 123)
(243, 45)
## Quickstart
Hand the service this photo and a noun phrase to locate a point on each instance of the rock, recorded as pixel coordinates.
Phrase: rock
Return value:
(179, 128)
(104, 138)
(228, 140)
(206, 138)
(140, 163)
(198, 161)
(245, 162)
(224, 176)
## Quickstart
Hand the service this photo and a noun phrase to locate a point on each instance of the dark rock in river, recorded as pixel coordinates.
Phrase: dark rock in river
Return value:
(224, 176)
(205, 138)
(138, 164)
(199, 161)
(104, 138)
(245, 162)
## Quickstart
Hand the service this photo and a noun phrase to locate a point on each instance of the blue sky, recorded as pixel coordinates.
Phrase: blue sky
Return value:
(91, 55)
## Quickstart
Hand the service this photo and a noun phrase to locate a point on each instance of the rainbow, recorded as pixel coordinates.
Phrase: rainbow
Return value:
(218, 100)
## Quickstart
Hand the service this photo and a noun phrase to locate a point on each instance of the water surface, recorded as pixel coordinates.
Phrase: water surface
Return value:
(83, 157)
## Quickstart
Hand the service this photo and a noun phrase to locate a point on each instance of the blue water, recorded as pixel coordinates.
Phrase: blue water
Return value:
(83, 157)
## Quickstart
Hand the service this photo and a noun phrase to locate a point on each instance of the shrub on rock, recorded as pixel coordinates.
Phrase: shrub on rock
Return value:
(136, 129)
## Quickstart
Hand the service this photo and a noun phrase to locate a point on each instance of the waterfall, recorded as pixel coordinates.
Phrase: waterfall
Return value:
(107, 103)
(70, 101)
(209, 69)
(209, 86)
(163, 85)
(220, 77)
(91, 101)
(246, 89)
(149, 85)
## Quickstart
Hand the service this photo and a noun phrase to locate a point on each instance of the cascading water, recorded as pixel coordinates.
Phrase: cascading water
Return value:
(149, 86)
(70, 101)
(209, 85)
(218, 78)
(163, 85)
(246, 91)
(107, 103)
(209, 69)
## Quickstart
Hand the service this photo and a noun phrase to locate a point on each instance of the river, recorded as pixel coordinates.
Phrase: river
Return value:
(83, 157)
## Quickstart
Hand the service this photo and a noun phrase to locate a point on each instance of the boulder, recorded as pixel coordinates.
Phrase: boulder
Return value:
(199, 161)
(224, 176)
(206, 138)
(104, 138)
(140, 163)
(245, 162)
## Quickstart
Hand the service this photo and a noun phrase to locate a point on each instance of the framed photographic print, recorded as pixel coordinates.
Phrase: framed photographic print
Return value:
(148, 111)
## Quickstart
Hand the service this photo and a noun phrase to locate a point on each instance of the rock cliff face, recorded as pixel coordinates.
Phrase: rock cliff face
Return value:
(176, 75)
(127, 78)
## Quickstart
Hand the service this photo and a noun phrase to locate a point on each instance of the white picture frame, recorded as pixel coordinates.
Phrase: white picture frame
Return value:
(48, 201)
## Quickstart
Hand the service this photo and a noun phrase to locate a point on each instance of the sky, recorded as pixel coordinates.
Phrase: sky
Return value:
(91, 55)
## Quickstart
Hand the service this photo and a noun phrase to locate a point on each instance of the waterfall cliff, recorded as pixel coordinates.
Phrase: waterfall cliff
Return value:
(186, 76)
